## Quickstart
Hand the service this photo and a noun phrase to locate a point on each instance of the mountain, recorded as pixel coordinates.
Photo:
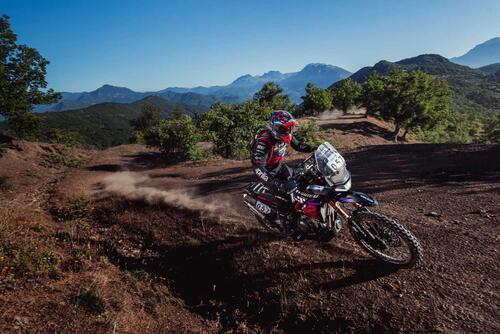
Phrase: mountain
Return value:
(474, 91)
(107, 124)
(321, 75)
(108, 93)
(491, 69)
(241, 89)
(294, 83)
(481, 55)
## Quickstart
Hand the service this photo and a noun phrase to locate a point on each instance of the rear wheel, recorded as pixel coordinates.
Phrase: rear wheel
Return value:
(386, 239)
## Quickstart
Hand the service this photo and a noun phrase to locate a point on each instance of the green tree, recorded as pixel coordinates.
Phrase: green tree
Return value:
(174, 137)
(409, 99)
(307, 132)
(178, 112)
(150, 116)
(231, 127)
(346, 94)
(492, 129)
(22, 82)
(316, 100)
(271, 95)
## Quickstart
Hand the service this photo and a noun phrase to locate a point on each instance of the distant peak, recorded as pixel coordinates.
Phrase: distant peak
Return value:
(272, 73)
(318, 65)
(111, 87)
(242, 78)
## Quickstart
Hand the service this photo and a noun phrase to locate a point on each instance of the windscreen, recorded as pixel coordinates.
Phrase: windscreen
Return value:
(330, 163)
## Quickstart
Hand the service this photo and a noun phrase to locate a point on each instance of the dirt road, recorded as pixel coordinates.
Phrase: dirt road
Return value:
(170, 247)
(229, 271)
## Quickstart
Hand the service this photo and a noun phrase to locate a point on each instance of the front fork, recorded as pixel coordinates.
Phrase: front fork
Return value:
(362, 232)
(343, 213)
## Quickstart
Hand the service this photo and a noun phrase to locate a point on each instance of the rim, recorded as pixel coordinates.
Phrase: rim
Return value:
(398, 248)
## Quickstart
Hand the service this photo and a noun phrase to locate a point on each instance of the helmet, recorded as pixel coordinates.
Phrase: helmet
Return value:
(281, 125)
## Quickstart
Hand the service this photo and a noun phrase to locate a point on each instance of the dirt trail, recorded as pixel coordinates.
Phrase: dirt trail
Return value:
(232, 272)
(171, 248)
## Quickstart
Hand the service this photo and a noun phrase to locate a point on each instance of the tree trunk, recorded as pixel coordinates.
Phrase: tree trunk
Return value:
(395, 134)
(404, 134)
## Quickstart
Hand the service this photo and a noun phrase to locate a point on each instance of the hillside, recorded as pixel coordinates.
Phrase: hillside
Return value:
(491, 69)
(126, 242)
(481, 55)
(474, 91)
(108, 124)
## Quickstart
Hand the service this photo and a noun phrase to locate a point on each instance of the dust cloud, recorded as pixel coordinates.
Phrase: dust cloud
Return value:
(335, 113)
(330, 114)
(127, 184)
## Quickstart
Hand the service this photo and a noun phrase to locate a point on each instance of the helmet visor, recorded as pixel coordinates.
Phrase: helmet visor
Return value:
(284, 129)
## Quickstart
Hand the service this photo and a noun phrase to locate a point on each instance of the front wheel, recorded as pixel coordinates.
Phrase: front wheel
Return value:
(386, 239)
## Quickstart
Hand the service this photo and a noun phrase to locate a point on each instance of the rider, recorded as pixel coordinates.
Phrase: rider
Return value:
(270, 147)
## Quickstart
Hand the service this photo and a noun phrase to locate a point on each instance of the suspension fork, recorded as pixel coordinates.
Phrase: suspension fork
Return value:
(336, 206)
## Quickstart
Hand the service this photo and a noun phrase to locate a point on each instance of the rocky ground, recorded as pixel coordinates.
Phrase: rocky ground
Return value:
(122, 241)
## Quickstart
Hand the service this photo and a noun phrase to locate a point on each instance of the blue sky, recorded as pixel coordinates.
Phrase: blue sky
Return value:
(150, 45)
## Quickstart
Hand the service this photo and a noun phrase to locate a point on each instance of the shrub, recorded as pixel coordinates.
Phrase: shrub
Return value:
(150, 116)
(58, 160)
(308, 133)
(316, 100)
(67, 138)
(346, 94)
(78, 206)
(91, 301)
(200, 154)
(173, 137)
(231, 127)
(29, 260)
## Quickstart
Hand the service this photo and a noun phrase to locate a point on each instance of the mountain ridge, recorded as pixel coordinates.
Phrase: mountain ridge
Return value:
(482, 54)
(474, 91)
(239, 90)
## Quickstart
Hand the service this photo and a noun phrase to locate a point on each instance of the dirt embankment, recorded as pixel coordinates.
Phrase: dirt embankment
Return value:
(160, 260)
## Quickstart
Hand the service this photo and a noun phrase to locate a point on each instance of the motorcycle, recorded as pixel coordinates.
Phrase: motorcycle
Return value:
(323, 203)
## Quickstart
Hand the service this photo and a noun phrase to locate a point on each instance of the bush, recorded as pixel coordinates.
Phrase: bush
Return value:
(91, 301)
(57, 160)
(308, 133)
(150, 117)
(173, 137)
(78, 206)
(28, 260)
(67, 138)
(231, 127)
(492, 130)
(200, 154)
(346, 94)
(316, 100)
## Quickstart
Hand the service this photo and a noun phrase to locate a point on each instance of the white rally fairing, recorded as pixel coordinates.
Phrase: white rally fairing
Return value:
(332, 165)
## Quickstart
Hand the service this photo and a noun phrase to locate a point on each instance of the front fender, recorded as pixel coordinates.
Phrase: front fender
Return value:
(358, 197)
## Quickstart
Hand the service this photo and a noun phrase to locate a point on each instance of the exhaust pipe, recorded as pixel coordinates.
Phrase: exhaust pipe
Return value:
(250, 202)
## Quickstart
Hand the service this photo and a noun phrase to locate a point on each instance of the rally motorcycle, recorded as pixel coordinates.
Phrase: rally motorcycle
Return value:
(323, 203)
